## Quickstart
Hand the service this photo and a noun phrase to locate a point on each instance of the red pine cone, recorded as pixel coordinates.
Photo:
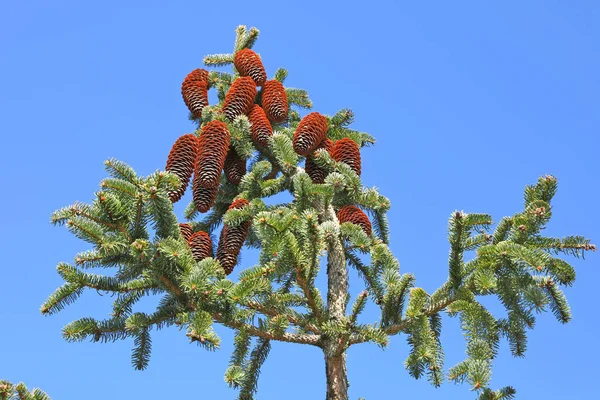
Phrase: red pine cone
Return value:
(316, 173)
(214, 143)
(194, 90)
(347, 151)
(260, 127)
(248, 63)
(186, 231)
(311, 131)
(235, 167)
(181, 162)
(239, 97)
(204, 198)
(232, 239)
(201, 245)
(196, 75)
(274, 101)
(356, 216)
(238, 204)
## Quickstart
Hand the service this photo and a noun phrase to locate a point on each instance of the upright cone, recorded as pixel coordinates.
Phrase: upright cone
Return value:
(260, 127)
(274, 101)
(186, 231)
(194, 91)
(201, 245)
(347, 151)
(239, 98)
(181, 162)
(204, 198)
(214, 144)
(311, 131)
(232, 239)
(316, 173)
(248, 63)
(356, 216)
(235, 167)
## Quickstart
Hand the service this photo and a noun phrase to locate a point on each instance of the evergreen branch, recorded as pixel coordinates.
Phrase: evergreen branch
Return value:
(308, 293)
(570, 245)
(358, 307)
(257, 358)
(255, 331)
(63, 296)
(120, 170)
(218, 60)
(272, 312)
(9, 391)
(140, 356)
(368, 275)
(298, 97)
(281, 74)
(456, 239)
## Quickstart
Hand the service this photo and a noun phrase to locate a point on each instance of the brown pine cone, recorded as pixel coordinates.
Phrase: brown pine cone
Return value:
(186, 231)
(347, 151)
(235, 167)
(227, 260)
(356, 216)
(274, 101)
(201, 245)
(248, 63)
(311, 131)
(204, 198)
(240, 97)
(260, 128)
(214, 144)
(194, 91)
(316, 173)
(232, 239)
(181, 162)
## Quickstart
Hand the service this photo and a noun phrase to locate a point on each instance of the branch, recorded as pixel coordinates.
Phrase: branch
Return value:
(273, 312)
(254, 331)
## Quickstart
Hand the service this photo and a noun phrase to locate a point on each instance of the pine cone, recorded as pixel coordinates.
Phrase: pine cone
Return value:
(201, 245)
(196, 75)
(186, 231)
(232, 239)
(235, 167)
(347, 151)
(238, 204)
(214, 143)
(239, 98)
(194, 91)
(260, 127)
(227, 260)
(204, 198)
(316, 173)
(248, 63)
(356, 216)
(274, 101)
(181, 162)
(311, 131)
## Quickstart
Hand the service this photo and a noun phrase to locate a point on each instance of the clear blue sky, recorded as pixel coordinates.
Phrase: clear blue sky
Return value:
(469, 101)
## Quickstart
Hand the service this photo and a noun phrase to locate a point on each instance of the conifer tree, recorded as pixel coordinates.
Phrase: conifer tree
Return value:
(249, 147)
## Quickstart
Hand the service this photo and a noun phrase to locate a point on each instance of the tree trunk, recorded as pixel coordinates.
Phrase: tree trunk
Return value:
(337, 378)
(337, 293)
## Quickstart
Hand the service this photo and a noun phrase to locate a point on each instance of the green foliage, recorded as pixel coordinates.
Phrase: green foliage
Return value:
(9, 391)
(135, 238)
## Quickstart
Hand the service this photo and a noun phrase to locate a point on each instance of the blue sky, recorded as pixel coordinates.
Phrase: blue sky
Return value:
(470, 101)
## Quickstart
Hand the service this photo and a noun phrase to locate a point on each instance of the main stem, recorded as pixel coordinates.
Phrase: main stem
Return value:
(337, 292)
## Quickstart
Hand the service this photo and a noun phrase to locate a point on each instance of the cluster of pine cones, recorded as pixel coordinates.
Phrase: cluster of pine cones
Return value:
(206, 156)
